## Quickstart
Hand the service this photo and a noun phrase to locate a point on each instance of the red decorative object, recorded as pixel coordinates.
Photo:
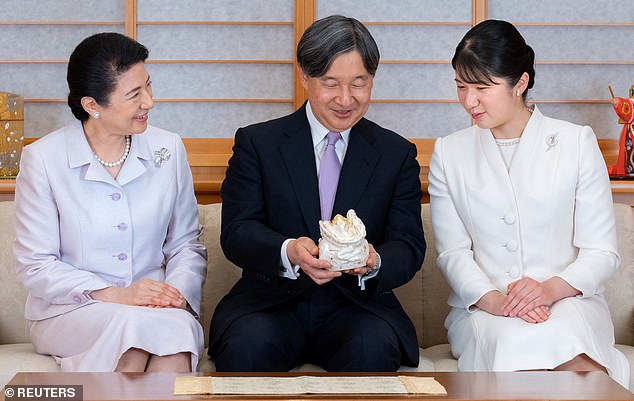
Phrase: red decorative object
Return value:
(624, 108)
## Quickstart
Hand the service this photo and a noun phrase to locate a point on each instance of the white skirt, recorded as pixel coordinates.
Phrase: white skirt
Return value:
(485, 342)
(92, 338)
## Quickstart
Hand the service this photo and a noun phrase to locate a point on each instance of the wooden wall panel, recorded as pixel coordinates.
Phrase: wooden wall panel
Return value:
(212, 58)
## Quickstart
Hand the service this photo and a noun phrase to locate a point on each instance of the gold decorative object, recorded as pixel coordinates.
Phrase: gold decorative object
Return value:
(11, 133)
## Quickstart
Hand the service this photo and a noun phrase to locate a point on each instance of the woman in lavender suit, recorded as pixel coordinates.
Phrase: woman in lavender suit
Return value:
(107, 225)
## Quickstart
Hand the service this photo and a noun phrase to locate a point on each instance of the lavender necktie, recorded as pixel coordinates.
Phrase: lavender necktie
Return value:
(329, 170)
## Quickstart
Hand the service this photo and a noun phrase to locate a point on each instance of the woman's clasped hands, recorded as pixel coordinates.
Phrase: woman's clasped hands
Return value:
(528, 299)
(145, 292)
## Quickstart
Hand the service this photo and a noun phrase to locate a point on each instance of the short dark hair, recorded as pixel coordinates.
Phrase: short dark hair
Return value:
(95, 65)
(494, 48)
(327, 38)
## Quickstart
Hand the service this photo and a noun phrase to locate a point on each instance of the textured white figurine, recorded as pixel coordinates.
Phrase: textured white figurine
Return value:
(343, 241)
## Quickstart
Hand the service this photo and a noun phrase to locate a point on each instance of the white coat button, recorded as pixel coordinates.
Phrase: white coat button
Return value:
(122, 257)
(120, 283)
(509, 218)
(511, 246)
(115, 196)
(77, 299)
(514, 272)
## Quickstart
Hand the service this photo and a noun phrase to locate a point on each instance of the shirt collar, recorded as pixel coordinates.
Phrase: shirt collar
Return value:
(318, 131)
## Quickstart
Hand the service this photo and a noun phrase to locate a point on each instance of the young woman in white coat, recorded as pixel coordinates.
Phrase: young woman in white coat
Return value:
(107, 225)
(523, 220)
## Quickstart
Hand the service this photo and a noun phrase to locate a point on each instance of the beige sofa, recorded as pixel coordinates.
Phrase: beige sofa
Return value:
(424, 298)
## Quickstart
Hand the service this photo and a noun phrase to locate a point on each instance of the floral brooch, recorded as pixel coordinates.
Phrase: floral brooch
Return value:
(161, 155)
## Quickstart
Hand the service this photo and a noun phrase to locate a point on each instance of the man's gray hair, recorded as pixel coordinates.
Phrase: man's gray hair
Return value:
(327, 38)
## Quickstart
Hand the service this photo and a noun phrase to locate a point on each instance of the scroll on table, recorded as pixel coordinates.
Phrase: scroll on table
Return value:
(187, 385)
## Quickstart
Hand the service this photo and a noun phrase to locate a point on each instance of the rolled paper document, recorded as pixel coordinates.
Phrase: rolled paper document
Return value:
(343, 242)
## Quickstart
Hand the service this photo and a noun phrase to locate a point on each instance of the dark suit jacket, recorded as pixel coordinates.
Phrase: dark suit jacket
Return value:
(270, 193)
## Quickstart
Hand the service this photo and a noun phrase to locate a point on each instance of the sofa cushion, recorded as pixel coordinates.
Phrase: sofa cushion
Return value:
(23, 358)
(221, 274)
(13, 328)
(619, 290)
(435, 291)
(440, 358)
(424, 298)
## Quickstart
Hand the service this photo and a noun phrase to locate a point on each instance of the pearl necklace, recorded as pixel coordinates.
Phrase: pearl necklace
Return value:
(513, 141)
(126, 152)
(508, 142)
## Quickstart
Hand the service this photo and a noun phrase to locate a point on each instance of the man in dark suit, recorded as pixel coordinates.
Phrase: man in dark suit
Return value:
(289, 308)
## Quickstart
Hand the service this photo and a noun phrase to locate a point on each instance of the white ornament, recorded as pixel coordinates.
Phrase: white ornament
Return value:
(343, 242)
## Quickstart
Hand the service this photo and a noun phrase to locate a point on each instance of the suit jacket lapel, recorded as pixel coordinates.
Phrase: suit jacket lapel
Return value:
(492, 155)
(80, 154)
(535, 162)
(134, 167)
(299, 157)
(357, 169)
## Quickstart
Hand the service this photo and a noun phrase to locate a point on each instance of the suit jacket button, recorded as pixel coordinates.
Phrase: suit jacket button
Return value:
(513, 272)
(509, 218)
(511, 246)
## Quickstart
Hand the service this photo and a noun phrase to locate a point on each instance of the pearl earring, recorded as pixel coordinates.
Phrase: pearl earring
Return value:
(96, 115)
(517, 93)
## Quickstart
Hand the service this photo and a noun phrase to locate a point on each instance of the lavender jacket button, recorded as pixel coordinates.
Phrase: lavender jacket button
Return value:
(115, 196)
(122, 256)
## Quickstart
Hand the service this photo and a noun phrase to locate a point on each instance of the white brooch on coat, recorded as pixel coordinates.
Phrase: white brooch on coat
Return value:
(161, 155)
(551, 141)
